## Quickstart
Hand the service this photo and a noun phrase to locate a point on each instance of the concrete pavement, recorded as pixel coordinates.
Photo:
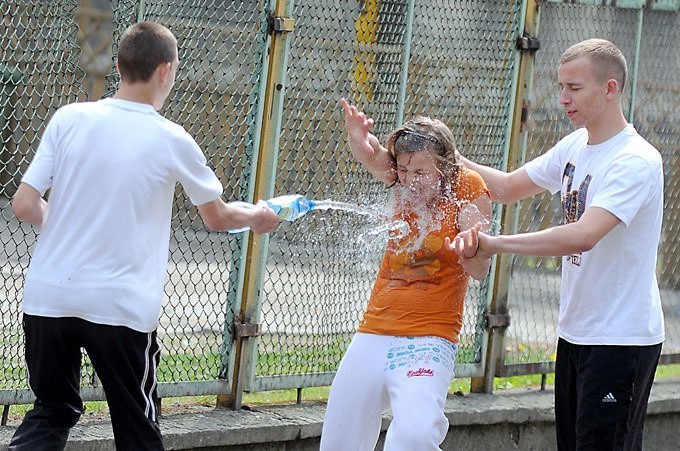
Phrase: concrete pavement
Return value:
(508, 420)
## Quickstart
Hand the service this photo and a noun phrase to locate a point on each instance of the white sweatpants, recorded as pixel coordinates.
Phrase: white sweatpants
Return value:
(409, 375)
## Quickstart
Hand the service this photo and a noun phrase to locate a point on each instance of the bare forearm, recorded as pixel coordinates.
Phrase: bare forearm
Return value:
(231, 217)
(553, 242)
(221, 216)
(379, 163)
(29, 206)
(573, 238)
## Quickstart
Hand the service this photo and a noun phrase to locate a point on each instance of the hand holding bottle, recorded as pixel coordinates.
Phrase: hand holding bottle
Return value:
(264, 218)
(288, 207)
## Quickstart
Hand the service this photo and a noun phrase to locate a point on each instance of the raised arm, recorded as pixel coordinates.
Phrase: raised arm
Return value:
(366, 147)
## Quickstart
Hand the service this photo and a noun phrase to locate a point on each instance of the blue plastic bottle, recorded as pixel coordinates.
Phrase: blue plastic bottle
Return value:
(288, 207)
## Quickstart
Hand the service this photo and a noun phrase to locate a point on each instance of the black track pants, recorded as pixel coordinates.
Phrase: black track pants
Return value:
(601, 395)
(125, 361)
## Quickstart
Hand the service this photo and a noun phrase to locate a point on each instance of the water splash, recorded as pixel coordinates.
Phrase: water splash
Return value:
(387, 224)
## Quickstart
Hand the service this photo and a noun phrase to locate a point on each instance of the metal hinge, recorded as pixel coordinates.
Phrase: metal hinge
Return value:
(280, 24)
(527, 44)
(242, 330)
(496, 320)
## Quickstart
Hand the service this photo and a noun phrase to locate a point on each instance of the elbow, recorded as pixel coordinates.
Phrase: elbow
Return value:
(21, 209)
(216, 215)
(497, 196)
(585, 243)
(479, 276)
(503, 197)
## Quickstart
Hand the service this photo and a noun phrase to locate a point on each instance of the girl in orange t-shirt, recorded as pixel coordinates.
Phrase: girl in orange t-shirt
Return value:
(403, 353)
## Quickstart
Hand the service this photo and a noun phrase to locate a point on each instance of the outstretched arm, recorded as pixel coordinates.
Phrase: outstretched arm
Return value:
(366, 147)
(505, 187)
(573, 238)
(219, 215)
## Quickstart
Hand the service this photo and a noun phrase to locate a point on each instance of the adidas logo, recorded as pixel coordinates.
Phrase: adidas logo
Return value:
(609, 398)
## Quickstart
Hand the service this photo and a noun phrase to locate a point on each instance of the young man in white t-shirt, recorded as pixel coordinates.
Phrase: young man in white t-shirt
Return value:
(97, 274)
(610, 320)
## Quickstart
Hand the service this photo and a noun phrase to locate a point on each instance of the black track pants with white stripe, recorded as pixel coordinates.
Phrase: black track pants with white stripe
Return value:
(125, 361)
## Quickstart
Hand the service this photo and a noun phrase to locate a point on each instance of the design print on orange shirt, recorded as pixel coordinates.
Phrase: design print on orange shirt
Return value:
(420, 288)
(420, 263)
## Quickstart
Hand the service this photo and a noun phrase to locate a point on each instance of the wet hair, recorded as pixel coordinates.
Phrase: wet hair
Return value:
(432, 135)
(608, 61)
(142, 48)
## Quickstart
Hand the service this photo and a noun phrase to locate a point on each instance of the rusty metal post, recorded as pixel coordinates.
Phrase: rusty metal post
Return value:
(254, 264)
(496, 317)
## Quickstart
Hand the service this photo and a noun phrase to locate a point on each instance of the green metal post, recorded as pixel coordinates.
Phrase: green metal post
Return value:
(141, 11)
(516, 142)
(405, 60)
(636, 64)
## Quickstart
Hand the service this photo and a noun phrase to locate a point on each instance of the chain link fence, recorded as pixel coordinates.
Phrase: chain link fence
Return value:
(455, 61)
(312, 306)
(39, 71)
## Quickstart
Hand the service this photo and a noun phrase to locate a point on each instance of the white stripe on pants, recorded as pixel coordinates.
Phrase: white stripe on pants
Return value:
(409, 375)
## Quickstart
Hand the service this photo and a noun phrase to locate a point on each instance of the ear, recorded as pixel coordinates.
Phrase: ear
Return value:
(163, 72)
(612, 88)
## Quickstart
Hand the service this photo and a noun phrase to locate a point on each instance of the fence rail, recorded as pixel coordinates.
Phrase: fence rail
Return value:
(263, 104)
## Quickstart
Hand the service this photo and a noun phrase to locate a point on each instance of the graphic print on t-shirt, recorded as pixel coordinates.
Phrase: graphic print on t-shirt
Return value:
(574, 202)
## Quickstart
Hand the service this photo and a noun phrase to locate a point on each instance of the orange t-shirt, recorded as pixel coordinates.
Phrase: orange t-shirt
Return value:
(420, 288)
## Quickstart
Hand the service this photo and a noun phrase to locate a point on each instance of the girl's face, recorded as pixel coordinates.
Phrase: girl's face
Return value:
(418, 173)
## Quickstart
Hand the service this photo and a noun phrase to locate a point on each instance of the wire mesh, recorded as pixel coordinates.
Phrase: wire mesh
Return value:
(39, 71)
(215, 94)
(657, 117)
(321, 266)
(461, 71)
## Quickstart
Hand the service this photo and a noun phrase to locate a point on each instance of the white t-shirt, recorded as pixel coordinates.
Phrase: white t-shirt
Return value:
(609, 295)
(111, 167)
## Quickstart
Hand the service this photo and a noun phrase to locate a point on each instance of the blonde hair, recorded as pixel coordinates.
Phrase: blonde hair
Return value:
(608, 61)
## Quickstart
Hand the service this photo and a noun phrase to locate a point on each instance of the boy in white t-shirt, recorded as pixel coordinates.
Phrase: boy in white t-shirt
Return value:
(610, 321)
(97, 274)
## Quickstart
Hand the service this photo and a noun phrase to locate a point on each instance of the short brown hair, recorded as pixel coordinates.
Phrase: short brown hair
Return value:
(143, 47)
(608, 61)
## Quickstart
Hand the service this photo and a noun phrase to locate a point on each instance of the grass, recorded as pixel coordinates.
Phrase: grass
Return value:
(458, 386)
(666, 371)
